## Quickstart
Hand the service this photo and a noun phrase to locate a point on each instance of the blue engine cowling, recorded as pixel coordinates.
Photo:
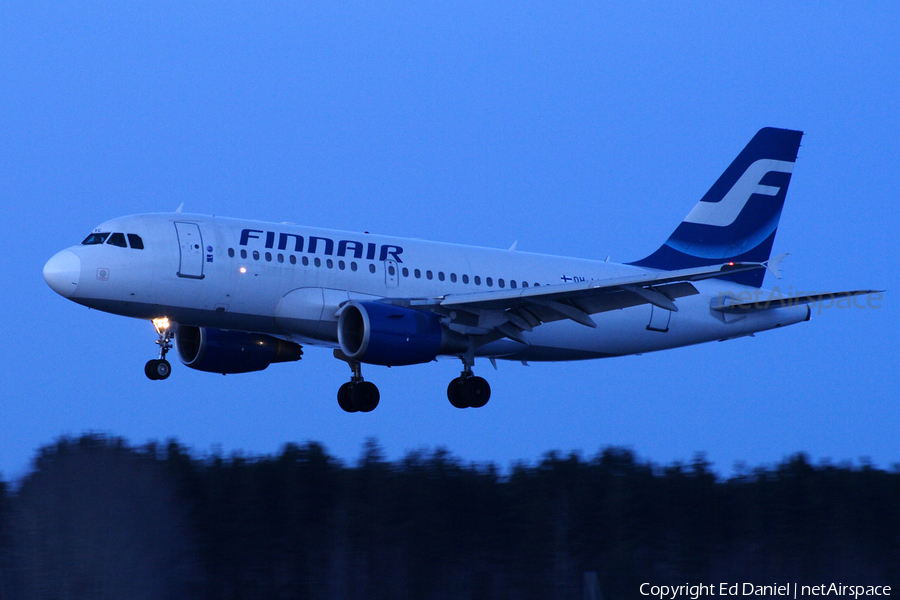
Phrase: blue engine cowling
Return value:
(381, 334)
(219, 351)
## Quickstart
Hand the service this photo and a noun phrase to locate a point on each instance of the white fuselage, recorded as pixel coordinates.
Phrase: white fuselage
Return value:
(289, 281)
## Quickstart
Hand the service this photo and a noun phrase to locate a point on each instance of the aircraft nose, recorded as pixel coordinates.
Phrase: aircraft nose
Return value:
(63, 272)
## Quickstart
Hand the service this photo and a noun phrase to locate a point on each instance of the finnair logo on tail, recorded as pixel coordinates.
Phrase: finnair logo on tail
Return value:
(724, 212)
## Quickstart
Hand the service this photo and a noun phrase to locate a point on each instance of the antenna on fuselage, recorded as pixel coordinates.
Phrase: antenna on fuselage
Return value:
(178, 210)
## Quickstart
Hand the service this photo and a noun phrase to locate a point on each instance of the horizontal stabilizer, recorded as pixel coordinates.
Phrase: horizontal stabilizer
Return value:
(728, 304)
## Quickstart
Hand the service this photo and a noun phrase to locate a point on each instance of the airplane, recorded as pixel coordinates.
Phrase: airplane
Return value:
(238, 295)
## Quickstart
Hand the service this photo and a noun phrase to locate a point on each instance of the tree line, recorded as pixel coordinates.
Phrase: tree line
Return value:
(98, 518)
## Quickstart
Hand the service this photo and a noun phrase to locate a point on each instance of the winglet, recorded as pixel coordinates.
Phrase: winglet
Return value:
(774, 265)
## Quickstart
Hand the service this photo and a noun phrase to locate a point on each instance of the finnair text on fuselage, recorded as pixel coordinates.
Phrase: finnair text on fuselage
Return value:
(294, 242)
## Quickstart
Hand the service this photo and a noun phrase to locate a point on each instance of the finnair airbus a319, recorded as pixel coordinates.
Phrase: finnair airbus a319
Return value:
(236, 295)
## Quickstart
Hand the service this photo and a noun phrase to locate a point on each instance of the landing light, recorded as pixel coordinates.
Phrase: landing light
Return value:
(161, 324)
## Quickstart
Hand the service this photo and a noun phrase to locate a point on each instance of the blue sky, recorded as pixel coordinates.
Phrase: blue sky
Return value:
(578, 129)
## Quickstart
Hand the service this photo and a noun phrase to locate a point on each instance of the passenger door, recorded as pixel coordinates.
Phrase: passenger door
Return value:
(190, 244)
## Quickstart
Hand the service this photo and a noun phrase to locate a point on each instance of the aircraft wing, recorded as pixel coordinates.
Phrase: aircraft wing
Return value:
(507, 313)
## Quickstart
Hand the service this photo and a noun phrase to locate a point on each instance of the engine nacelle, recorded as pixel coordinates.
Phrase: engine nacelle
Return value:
(381, 334)
(219, 351)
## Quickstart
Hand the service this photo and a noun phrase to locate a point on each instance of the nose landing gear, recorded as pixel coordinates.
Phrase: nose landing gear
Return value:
(160, 368)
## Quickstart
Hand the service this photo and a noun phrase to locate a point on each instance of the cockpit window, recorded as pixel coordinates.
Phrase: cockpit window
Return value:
(117, 239)
(95, 238)
(136, 242)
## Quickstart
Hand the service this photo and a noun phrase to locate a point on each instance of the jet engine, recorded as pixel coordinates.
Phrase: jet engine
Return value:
(381, 334)
(221, 351)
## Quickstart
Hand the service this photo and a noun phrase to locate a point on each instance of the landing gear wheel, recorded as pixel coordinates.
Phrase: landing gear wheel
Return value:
(344, 399)
(163, 369)
(454, 393)
(150, 370)
(364, 396)
(475, 391)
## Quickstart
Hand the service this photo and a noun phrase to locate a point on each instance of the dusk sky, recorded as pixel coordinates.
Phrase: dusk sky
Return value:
(581, 129)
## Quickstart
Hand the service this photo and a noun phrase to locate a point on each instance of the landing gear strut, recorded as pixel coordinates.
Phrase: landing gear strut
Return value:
(357, 395)
(468, 390)
(160, 368)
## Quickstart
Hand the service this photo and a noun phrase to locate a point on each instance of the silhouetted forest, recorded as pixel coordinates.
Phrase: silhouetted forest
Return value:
(96, 518)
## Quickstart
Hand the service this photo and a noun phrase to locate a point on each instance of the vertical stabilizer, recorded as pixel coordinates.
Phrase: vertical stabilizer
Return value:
(738, 217)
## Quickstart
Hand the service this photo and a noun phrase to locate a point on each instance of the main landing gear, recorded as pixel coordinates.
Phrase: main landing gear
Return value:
(468, 390)
(357, 395)
(160, 368)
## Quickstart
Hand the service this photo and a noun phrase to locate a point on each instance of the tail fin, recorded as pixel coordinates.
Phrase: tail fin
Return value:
(737, 218)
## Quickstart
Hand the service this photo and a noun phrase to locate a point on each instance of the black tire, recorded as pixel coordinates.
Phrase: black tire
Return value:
(454, 394)
(476, 391)
(365, 396)
(163, 369)
(344, 398)
(150, 370)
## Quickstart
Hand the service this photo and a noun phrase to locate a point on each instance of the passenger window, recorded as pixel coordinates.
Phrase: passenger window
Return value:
(293, 259)
(117, 239)
(281, 258)
(243, 254)
(318, 262)
(353, 266)
(465, 278)
(230, 252)
(138, 244)
(490, 282)
(512, 284)
(342, 265)
(391, 270)
(453, 277)
(477, 280)
(428, 275)
(94, 239)
(441, 275)
(268, 257)
(524, 284)
(417, 273)
(305, 261)
(501, 283)
(256, 255)
(405, 272)
(330, 263)
(371, 268)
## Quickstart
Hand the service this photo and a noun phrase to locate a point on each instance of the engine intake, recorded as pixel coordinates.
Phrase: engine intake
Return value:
(381, 334)
(221, 351)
